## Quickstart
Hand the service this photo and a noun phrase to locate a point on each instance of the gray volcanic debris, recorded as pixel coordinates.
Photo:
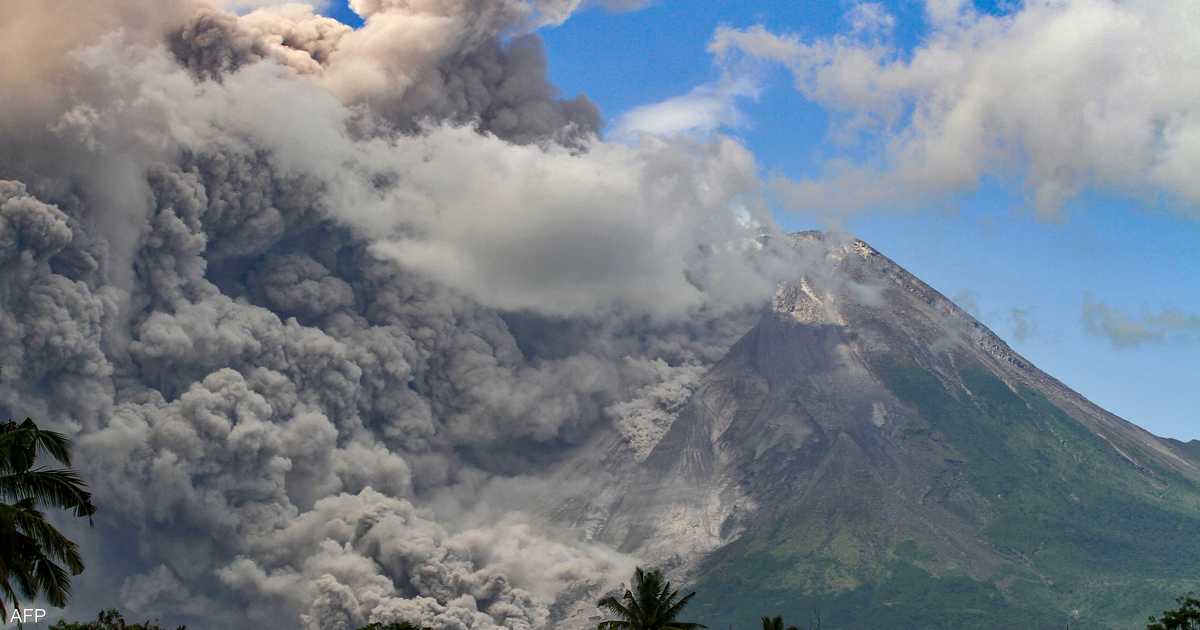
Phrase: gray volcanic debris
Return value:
(256, 266)
(805, 464)
(371, 325)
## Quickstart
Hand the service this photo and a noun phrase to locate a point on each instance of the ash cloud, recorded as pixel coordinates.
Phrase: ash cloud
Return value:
(409, 62)
(968, 300)
(1024, 326)
(286, 284)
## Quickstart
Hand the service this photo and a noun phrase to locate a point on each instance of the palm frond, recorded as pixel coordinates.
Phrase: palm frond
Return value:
(674, 611)
(53, 581)
(7, 594)
(21, 443)
(55, 545)
(616, 608)
(58, 487)
(23, 574)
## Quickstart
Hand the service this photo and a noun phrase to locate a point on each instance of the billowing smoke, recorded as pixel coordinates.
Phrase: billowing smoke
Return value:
(298, 289)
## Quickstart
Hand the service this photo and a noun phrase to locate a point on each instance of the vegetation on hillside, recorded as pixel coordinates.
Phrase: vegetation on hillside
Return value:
(1092, 540)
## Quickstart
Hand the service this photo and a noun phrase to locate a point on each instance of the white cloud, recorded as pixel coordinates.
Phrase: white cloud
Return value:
(703, 110)
(1065, 94)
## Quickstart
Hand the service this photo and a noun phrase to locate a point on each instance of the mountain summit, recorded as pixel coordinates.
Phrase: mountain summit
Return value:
(871, 453)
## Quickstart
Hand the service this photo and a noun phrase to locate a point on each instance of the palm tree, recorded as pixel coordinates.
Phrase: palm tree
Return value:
(775, 623)
(650, 605)
(35, 558)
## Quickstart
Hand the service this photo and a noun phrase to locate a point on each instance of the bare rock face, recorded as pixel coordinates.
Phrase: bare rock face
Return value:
(871, 453)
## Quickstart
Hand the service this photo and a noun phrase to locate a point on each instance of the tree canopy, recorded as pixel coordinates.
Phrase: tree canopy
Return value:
(36, 559)
(1185, 617)
(649, 604)
(775, 623)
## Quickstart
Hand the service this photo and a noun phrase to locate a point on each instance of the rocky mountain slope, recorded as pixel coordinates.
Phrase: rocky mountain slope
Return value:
(871, 453)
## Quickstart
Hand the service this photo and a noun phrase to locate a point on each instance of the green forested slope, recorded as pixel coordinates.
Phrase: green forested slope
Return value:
(1088, 538)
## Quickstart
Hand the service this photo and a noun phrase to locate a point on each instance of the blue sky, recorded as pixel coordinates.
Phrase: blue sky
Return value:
(1132, 251)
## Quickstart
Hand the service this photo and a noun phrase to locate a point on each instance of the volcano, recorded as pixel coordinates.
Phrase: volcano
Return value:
(871, 455)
